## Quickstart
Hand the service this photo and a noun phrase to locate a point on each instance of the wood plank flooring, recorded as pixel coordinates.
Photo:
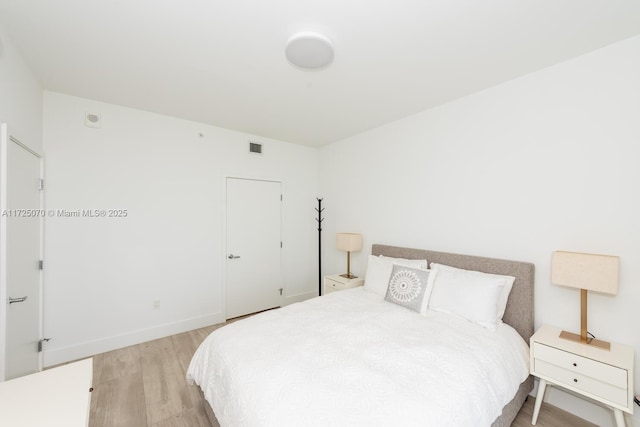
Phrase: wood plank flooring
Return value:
(144, 385)
(549, 416)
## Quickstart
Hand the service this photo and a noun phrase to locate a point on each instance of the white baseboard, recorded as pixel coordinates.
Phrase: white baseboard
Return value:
(291, 299)
(90, 348)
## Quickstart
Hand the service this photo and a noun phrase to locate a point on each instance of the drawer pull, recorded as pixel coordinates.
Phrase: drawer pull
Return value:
(575, 380)
(575, 364)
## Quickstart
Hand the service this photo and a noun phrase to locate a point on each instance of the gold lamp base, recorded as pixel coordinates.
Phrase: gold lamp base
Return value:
(583, 337)
(348, 274)
(604, 345)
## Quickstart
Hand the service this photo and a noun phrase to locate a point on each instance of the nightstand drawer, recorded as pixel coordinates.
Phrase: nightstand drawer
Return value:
(581, 365)
(582, 382)
(330, 286)
(337, 282)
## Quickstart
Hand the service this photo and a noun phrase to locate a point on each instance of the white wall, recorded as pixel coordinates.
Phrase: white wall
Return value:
(103, 274)
(20, 96)
(545, 162)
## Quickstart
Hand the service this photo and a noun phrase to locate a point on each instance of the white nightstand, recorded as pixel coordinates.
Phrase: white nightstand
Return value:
(55, 397)
(336, 282)
(604, 376)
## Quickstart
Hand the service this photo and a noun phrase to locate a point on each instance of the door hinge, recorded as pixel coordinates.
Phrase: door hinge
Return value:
(281, 197)
(41, 184)
(40, 265)
(280, 290)
(42, 341)
(281, 245)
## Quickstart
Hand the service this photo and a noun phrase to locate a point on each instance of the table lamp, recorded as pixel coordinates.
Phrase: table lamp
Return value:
(586, 272)
(350, 242)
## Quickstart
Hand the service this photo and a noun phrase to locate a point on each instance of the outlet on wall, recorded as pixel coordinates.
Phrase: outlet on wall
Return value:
(156, 304)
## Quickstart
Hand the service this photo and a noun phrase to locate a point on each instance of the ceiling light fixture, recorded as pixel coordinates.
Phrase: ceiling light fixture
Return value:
(309, 50)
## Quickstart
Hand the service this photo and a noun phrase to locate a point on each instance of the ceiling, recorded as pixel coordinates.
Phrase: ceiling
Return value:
(222, 61)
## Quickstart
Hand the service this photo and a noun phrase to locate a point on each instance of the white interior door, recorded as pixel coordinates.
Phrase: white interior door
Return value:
(22, 219)
(254, 240)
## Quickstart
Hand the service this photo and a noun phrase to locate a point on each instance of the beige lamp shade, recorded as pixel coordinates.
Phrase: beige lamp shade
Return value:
(598, 273)
(350, 242)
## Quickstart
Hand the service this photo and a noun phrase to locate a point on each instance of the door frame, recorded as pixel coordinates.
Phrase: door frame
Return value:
(224, 237)
(5, 139)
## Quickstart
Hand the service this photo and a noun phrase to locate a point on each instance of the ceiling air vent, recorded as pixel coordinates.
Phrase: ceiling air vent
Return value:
(92, 120)
(254, 147)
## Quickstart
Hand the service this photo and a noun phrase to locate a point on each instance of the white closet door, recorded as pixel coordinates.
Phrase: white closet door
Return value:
(254, 253)
(22, 229)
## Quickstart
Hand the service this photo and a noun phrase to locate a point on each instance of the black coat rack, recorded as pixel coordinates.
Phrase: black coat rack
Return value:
(319, 209)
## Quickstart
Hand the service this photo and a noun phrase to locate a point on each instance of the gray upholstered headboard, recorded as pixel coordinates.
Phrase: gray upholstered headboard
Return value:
(519, 312)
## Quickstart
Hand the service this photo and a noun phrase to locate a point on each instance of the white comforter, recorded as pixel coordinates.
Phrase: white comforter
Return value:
(350, 359)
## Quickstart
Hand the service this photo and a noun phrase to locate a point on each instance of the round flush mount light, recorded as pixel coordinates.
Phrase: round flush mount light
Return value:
(309, 50)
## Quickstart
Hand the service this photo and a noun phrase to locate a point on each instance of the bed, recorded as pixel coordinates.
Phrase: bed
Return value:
(349, 358)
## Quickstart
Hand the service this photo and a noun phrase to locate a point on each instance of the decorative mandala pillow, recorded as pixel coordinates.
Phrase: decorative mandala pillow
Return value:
(408, 287)
(379, 270)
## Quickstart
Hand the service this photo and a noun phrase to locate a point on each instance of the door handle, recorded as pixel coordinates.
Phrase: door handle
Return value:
(12, 300)
(232, 256)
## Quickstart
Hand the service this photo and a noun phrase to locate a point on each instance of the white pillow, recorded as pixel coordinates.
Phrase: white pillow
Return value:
(379, 271)
(478, 297)
(507, 282)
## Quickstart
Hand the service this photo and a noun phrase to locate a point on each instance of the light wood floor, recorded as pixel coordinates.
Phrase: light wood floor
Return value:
(144, 385)
(549, 416)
